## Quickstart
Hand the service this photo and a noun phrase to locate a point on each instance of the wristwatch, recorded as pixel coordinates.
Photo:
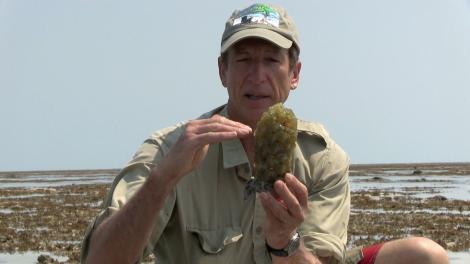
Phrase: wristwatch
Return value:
(291, 247)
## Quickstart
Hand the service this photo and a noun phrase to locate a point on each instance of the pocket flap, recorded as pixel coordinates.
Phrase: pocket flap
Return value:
(214, 241)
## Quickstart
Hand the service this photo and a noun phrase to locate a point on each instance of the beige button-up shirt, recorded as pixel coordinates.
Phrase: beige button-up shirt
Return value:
(206, 219)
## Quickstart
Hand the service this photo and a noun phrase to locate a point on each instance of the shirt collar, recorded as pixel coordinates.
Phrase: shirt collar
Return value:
(233, 152)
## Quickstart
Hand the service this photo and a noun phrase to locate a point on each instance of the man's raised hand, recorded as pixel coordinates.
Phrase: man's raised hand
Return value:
(191, 147)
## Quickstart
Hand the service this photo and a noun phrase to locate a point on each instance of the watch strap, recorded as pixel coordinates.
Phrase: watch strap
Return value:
(291, 247)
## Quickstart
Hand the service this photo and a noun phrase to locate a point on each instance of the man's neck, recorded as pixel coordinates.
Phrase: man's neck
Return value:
(235, 116)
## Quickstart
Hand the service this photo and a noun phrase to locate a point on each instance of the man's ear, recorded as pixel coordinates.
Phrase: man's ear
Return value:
(222, 69)
(294, 81)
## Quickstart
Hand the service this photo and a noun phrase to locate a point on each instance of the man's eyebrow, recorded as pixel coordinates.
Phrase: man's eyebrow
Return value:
(240, 50)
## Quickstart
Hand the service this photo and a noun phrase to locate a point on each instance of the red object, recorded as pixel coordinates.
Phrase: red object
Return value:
(370, 253)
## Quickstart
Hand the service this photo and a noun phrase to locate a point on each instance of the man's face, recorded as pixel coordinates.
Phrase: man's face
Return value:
(257, 75)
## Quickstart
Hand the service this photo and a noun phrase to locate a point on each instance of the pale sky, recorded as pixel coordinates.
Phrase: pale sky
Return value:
(83, 83)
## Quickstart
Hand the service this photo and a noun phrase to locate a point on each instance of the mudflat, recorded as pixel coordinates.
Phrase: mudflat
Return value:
(44, 214)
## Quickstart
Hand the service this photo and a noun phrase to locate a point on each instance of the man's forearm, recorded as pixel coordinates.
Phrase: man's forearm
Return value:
(122, 237)
(301, 256)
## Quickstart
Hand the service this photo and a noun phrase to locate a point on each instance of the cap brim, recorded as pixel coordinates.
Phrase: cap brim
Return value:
(262, 33)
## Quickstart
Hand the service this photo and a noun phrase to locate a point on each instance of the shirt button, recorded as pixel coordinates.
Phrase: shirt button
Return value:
(259, 229)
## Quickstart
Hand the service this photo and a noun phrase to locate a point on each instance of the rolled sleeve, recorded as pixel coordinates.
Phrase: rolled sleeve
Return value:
(89, 231)
(129, 180)
(325, 228)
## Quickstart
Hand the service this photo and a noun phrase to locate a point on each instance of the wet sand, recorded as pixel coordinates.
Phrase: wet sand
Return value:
(44, 214)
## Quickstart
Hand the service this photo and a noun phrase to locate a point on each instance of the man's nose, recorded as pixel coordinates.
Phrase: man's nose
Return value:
(258, 72)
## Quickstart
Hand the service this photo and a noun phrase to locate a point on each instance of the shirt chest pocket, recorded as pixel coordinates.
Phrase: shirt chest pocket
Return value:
(216, 241)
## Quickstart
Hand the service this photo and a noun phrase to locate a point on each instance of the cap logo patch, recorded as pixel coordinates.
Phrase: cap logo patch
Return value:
(258, 14)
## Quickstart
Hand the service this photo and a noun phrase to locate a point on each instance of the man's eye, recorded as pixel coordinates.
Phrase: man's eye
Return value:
(242, 59)
(272, 59)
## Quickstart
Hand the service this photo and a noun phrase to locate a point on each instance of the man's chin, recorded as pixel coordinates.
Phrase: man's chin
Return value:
(255, 116)
(252, 111)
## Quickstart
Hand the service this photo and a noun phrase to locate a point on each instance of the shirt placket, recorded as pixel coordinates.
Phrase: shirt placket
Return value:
(259, 240)
(259, 244)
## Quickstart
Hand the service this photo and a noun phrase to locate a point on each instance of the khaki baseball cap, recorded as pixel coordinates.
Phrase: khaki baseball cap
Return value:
(264, 21)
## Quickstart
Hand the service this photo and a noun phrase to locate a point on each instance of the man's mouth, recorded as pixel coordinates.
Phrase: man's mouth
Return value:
(256, 97)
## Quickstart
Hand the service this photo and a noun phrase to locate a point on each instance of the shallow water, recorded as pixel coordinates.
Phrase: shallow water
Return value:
(22, 196)
(429, 211)
(421, 186)
(459, 257)
(27, 257)
(50, 181)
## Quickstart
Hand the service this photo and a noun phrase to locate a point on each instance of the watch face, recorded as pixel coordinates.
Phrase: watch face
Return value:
(293, 244)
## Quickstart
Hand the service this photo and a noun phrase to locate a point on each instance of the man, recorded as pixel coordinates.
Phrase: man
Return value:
(181, 197)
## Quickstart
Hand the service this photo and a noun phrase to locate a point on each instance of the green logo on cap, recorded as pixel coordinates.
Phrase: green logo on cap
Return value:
(261, 8)
(258, 14)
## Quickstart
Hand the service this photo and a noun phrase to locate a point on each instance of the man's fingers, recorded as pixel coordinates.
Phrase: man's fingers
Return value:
(298, 189)
(220, 120)
(219, 127)
(216, 123)
(275, 209)
(193, 143)
(267, 207)
(292, 204)
(214, 137)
